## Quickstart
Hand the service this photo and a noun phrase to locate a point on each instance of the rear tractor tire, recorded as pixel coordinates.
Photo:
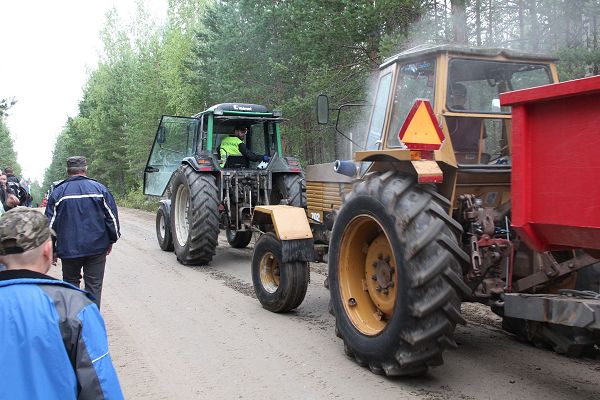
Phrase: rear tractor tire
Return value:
(163, 228)
(280, 287)
(194, 216)
(291, 187)
(395, 275)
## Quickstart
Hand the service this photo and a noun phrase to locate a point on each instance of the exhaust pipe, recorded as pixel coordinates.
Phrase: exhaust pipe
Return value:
(345, 167)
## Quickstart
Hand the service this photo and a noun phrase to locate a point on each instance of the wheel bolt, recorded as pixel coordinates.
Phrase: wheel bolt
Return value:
(385, 291)
(351, 301)
(374, 277)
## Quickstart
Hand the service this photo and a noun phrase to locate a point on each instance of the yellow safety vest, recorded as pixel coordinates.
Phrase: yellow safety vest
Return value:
(230, 146)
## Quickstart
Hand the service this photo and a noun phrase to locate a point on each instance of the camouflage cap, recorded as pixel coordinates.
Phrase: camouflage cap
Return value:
(76, 161)
(22, 229)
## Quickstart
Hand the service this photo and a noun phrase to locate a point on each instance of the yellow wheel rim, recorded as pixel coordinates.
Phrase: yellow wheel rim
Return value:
(269, 272)
(367, 275)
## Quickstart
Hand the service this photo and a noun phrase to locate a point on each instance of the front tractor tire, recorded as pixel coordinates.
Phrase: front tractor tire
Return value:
(395, 275)
(238, 239)
(194, 216)
(163, 228)
(279, 287)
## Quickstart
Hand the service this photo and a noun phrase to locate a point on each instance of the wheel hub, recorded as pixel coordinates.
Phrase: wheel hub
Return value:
(367, 275)
(182, 205)
(161, 226)
(269, 272)
(380, 274)
(383, 274)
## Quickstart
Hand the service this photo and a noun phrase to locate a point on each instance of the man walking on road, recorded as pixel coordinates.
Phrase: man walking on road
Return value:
(54, 343)
(84, 216)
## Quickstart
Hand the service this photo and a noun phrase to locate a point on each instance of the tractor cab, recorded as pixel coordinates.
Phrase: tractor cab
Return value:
(463, 86)
(197, 140)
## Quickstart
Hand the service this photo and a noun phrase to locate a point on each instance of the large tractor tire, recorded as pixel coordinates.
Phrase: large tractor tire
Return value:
(194, 216)
(238, 239)
(163, 228)
(280, 287)
(395, 275)
(291, 187)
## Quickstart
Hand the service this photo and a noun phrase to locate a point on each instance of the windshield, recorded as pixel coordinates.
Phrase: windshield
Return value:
(475, 85)
(415, 81)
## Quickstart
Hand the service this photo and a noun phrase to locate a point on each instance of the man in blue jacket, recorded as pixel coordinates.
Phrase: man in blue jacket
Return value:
(84, 216)
(54, 343)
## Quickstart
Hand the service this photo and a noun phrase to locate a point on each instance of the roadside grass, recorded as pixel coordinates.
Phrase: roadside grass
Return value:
(136, 199)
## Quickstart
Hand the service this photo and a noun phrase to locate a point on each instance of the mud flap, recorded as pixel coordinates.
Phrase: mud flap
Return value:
(291, 229)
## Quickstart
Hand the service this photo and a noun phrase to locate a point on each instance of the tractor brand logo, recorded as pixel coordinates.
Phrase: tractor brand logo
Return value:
(241, 108)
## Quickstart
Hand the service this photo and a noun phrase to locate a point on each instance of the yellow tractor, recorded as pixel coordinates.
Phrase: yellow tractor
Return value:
(420, 220)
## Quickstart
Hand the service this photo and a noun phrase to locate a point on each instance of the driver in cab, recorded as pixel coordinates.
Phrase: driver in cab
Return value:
(234, 145)
(467, 133)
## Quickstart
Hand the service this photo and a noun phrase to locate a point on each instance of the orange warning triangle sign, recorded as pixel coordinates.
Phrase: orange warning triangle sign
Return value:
(420, 130)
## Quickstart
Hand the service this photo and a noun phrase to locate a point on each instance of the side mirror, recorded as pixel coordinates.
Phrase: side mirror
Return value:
(161, 136)
(322, 109)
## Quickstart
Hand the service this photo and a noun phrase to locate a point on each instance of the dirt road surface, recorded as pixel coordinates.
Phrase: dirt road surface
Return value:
(180, 332)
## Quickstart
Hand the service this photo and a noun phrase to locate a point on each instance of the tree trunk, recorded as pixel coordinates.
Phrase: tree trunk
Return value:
(521, 22)
(478, 22)
(535, 26)
(490, 38)
(459, 20)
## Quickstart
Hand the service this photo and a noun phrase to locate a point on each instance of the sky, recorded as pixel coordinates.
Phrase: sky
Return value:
(47, 49)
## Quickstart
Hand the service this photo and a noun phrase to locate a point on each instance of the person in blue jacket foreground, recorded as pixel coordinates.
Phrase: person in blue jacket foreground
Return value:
(54, 343)
(83, 213)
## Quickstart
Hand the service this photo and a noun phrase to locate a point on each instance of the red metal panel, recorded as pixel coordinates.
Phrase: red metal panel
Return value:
(556, 164)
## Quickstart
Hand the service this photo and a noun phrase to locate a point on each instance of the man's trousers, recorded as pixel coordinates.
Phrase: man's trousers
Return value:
(93, 273)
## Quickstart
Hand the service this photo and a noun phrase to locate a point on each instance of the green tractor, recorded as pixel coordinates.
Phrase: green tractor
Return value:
(205, 190)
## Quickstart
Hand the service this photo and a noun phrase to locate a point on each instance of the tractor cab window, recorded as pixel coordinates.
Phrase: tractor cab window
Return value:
(203, 139)
(257, 137)
(378, 114)
(483, 81)
(474, 87)
(415, 81)
(174, 140)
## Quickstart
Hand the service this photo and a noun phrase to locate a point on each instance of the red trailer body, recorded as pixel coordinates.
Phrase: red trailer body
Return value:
(556, 164)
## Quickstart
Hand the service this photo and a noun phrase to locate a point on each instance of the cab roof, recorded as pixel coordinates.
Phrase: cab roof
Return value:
(235, 108)
(425, 50)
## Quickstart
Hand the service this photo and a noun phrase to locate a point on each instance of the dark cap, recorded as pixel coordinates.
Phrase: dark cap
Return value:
(22, 229)
(76, 162)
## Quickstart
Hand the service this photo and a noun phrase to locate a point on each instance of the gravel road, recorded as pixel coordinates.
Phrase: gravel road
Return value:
(180, 332)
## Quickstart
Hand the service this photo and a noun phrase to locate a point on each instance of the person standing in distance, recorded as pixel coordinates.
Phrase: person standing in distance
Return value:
(83, 213)
(54, 343)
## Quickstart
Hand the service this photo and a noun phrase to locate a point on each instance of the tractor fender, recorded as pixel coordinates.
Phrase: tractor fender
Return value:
(167, 203)
(209, 165)
(206, 168)
(291, 228)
